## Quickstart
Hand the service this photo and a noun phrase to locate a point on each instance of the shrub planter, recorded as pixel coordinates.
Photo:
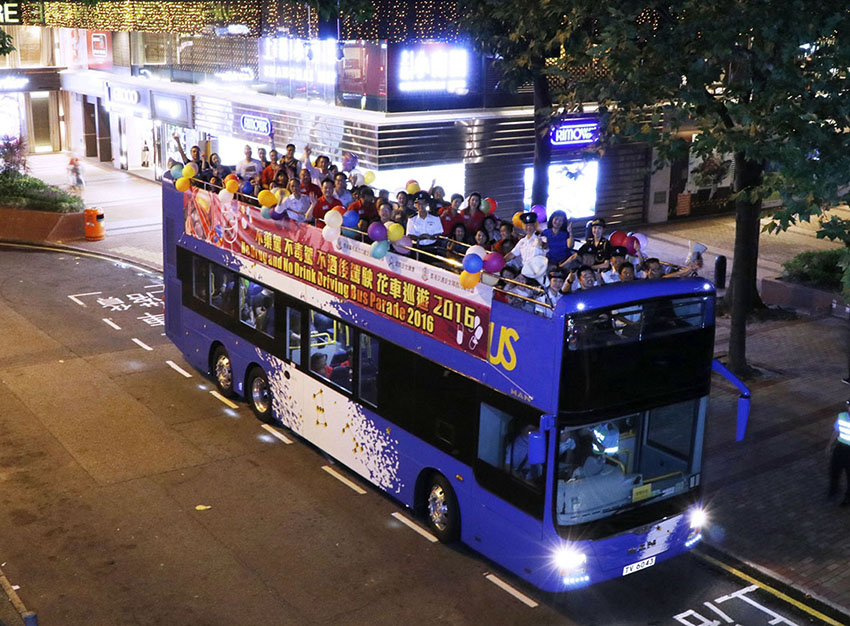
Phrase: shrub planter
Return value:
(795, 296)
(37, 226)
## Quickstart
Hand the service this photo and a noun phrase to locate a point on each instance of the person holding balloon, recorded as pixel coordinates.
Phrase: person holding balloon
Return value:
(532, 244)
(199, 161)
(424, 228)
(324, 203)
(295, 206)
(559, 236)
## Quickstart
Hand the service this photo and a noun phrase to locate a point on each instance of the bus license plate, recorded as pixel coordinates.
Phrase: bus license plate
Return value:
(636, 567)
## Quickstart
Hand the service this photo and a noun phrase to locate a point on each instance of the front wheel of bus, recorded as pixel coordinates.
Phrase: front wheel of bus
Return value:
(259, 395)
(223, 371)
(442, 510)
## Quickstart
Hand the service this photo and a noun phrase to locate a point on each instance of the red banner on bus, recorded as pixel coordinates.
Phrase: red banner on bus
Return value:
(299, 251)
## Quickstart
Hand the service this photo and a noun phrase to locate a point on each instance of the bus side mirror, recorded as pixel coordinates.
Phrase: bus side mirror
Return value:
(536, 448)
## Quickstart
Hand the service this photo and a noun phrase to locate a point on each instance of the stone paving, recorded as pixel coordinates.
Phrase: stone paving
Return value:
(767, 494)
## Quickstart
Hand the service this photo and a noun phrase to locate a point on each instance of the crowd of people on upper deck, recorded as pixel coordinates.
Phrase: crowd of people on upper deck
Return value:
(543, 261)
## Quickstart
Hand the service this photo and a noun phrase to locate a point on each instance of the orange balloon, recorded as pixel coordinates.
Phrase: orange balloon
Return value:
(230, 177)
(467, 280)
(516, 221)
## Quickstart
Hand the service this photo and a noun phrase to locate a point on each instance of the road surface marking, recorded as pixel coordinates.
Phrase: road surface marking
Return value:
(111, 323)
(514, 592)
(76, 297)
(216, 394)
(277, 434)
(784, 597)
(415, 527)
(344, 480)
(141, 344)
(178, 369)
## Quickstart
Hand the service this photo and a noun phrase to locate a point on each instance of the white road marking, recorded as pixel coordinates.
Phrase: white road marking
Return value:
(152, 286)
(141, 344)
(514, 592)
(111, 323)
(216, 394)
(415, 527)
(178, 369)
(277, 434)
(344, 480)
(76, 297)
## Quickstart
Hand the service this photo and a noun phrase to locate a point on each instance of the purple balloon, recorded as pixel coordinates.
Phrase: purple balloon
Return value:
(403, 245)
(377, 231)
(494, 262)
(540, 211)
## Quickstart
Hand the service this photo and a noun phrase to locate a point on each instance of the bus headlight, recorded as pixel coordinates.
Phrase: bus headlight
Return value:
(572, 565)
(699, 518)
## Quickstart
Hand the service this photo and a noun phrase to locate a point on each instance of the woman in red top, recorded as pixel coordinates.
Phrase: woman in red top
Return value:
(475, 216)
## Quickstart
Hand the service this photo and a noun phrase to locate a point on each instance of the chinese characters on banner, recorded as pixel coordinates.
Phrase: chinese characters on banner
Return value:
(299, 251)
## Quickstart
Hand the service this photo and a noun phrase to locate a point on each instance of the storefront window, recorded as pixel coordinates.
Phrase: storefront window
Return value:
(40, 106)
(34, 45)
(12, 105)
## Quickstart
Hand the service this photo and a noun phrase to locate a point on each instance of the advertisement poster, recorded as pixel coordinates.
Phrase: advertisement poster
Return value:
(99, 49)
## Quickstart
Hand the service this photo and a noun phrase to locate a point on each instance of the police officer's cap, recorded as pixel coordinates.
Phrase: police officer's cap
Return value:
(598, 222)
(558, 273)
(619, 251)
(422, 196)
(528, 218)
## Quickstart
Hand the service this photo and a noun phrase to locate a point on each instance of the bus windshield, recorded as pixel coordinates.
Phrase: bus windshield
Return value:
(626, 462)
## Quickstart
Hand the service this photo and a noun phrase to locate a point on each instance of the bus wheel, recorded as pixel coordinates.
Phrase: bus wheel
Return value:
(442, 510)
(259, 395)
(223, 371)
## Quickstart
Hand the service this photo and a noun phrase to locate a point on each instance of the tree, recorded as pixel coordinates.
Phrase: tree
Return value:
(767, 86)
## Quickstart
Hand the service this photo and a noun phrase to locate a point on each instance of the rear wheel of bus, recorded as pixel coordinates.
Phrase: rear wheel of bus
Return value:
(259, 394)
(441, 509)
(222, 370)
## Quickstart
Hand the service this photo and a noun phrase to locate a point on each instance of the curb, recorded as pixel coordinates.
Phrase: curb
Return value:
(840, 614)
(62, 247)
(29, 617)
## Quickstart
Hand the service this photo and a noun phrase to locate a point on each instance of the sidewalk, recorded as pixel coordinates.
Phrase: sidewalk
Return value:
(766, 495)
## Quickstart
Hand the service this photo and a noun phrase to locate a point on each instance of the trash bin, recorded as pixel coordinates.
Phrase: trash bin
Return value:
(94, 224)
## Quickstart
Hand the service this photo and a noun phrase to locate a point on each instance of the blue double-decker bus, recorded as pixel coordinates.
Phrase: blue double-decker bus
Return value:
(565, 447)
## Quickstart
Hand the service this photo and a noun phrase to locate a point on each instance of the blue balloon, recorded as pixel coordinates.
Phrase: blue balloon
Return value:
(473, 263)
(266, 212)
(379, 249)
(176, 171)
(350, 218)
(247, 188)
(347, 232)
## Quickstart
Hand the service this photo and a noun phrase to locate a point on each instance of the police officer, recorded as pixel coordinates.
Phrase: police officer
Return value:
(840, 457)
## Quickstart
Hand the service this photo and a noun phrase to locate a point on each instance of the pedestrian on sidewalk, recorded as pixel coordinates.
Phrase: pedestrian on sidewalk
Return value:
(839, 449)
(75, 176)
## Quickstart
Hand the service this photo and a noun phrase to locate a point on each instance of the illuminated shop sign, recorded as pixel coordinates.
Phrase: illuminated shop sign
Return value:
(122, 95)
(256, 125)
(13, 83)
(171, 108)
(122, 98)
(10, 13)
(574, 133)
(312, 61)
(434, 67)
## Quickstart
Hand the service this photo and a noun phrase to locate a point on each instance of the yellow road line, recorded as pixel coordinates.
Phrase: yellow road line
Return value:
(782, 596)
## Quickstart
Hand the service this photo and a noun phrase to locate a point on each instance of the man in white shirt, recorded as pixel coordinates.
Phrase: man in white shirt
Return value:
(424, 228)
(553, 292)
(248, 168)
(295, 205)
(341, 191)
(319, 172)
(532, 244)
(618, 257)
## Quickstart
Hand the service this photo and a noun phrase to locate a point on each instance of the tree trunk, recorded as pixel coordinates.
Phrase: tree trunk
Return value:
(748, 174)
(542, 147)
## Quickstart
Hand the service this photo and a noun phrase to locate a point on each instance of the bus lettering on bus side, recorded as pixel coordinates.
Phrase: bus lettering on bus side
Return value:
(505, 352)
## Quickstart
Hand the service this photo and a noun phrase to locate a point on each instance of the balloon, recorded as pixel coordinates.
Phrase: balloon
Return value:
(476, 250)
(182, 184)
(351, 218)
(369, 177)
(349, 161)
(492, 204)
(232, 185)
(202, 199)
(494, 262)
(516, 221)
(231, 176)
(377, 232)
(266, 212)
(176, 171)
(395, 232)
(472, 263)
(617, 238)
(540, 211)
(642, 239)
(190, 170)
(467, 280)
(630, 244)
(489, 279)
(266, 198)
(333, 219)
(412, 187)
(403, 245)
(330, 233)
(247, 188)
(379, 249)
(225, 196)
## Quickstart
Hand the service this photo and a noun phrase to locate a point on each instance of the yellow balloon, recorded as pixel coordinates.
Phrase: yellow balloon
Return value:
(267, 198)
(395, 232)
(412, 188)
(516, 221)
(467, 280)
(232, 185)
(189, 171)
(369, 177)
(202, 199)
(182, 184)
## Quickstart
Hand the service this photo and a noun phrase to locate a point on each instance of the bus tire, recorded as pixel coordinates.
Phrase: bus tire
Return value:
(442, 512)
(259, 394)
(222, 371)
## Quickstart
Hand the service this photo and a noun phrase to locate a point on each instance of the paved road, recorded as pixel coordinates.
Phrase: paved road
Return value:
(130, 495)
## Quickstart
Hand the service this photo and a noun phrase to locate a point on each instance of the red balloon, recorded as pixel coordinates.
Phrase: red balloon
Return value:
(629, 243)
(493, 205)
(617, 238)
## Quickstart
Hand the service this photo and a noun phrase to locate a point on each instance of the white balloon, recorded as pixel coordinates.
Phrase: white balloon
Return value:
(331, 234)
(333, 219)
(480, 251)
(225, 196)
(489, 279)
